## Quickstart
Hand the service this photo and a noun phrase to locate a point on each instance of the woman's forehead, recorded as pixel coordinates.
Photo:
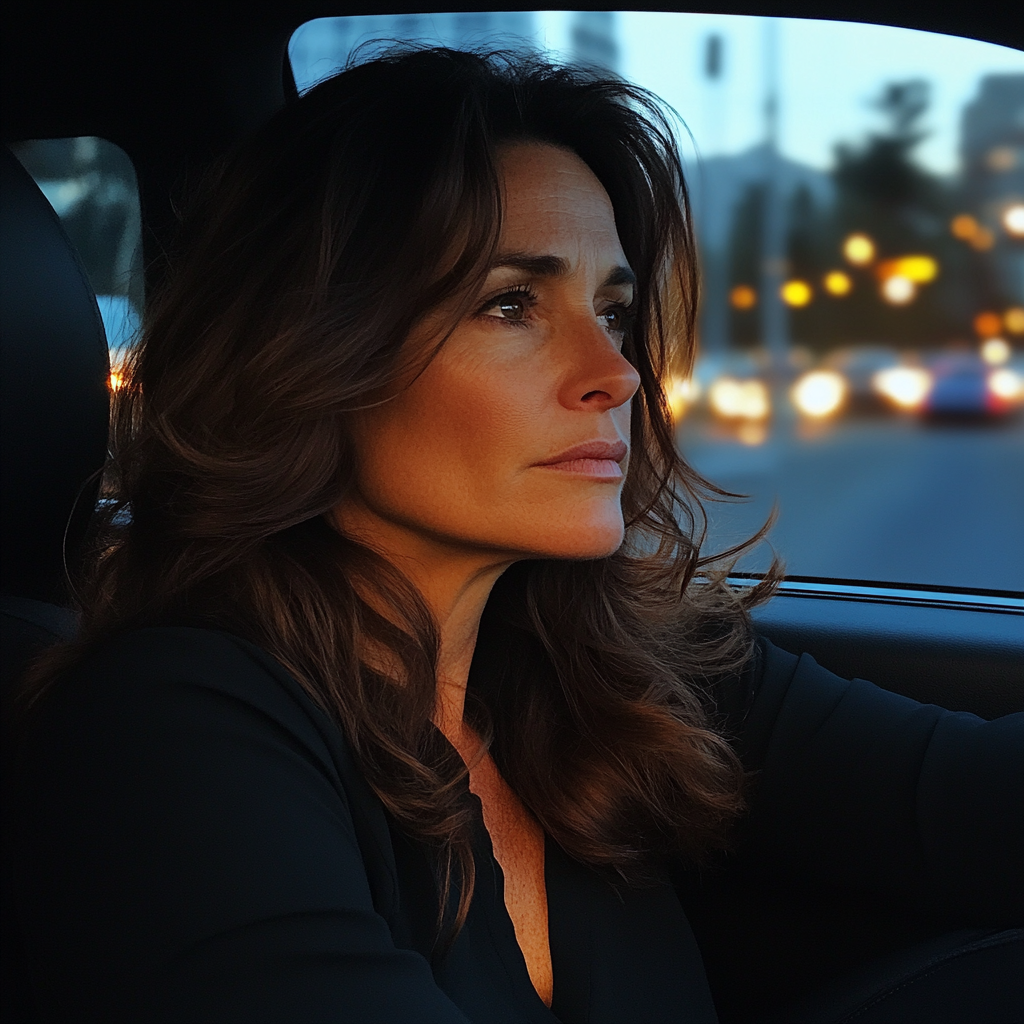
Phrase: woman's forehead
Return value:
(553, 203)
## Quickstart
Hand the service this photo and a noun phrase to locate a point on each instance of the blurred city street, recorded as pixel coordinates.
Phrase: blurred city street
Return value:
(889, 499)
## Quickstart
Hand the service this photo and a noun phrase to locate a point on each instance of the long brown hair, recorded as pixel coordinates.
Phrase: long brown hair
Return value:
(306, 258)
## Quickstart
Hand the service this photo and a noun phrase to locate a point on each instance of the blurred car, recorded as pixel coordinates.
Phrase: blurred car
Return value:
(860, 366)
(964, 386)
(735, 385)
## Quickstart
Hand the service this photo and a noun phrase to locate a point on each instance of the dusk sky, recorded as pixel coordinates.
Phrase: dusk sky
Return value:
(828, 74)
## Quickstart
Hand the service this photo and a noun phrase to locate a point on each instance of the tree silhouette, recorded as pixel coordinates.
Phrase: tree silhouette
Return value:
(883, 192)
(745, 247)
(810, 240)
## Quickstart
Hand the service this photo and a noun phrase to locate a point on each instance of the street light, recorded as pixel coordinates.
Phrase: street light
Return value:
(919, 269)
(859, 250)
(900, 277)
(796, 293)
(838, 283)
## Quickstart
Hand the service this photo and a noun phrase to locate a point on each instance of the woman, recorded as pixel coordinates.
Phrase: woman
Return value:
(405, 687)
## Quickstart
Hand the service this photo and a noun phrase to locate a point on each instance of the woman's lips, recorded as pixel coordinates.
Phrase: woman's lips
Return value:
(607, 468)
(594, 458)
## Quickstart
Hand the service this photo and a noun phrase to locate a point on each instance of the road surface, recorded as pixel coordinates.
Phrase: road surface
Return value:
(885, 499)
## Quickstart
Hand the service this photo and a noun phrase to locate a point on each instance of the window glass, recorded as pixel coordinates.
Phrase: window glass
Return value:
(90, 183)
(858, 194)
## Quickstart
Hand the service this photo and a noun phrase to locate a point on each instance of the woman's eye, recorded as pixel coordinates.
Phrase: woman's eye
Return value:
(512, 306)
(615, 319)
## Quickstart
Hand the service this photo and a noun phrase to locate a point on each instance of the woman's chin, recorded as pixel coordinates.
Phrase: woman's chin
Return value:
(578, 540)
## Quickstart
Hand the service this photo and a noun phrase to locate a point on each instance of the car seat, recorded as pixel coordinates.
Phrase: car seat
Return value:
(55, 410)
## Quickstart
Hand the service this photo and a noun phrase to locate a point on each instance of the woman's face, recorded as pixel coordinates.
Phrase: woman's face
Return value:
(514, 441)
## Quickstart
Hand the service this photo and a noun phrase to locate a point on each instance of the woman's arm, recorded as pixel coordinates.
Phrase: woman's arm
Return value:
(187, 850)
(866, 789)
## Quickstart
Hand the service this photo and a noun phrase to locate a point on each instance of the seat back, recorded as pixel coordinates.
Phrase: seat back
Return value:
(54, 400)
(54, 409)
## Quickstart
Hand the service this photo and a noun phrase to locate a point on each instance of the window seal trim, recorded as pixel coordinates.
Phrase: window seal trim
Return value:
(913, 594)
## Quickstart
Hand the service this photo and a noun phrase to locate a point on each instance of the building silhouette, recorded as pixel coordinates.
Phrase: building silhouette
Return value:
(717, 186)
(594, 39)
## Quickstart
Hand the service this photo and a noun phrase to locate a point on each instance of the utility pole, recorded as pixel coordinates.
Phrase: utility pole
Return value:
(714, 72)
(594, 39)
(714, 322)
(774, 314)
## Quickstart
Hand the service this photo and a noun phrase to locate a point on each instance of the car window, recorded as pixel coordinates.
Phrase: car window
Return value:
(858, 193)
(90, 183)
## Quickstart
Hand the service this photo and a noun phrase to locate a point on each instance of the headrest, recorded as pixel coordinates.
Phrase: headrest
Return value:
(54, 399)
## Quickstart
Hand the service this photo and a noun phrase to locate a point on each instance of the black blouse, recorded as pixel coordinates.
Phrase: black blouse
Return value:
(196, 843)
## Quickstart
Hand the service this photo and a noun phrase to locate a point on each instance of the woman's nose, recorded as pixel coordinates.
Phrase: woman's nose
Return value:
(599, 377)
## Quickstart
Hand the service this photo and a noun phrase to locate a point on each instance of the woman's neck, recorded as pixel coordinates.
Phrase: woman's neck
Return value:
(457, 610)
(455, 585)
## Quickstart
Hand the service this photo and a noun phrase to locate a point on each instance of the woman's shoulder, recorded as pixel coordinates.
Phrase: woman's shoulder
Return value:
(179, 687)
(168, 724)
(170, 649)
(190, 810)
(138, 662)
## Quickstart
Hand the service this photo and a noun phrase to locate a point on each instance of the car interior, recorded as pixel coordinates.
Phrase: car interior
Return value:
(173, 85)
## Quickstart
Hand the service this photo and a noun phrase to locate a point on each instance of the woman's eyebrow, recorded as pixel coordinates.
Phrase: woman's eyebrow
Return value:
(537, 265)
(534, 264)
(620, 275)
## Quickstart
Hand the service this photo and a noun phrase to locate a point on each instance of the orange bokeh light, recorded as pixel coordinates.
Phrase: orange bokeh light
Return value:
(918, 269)
(988, 325)
(743, 297)
(983, 239)
(1014, 320)
(967, 229)
(963, 227)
